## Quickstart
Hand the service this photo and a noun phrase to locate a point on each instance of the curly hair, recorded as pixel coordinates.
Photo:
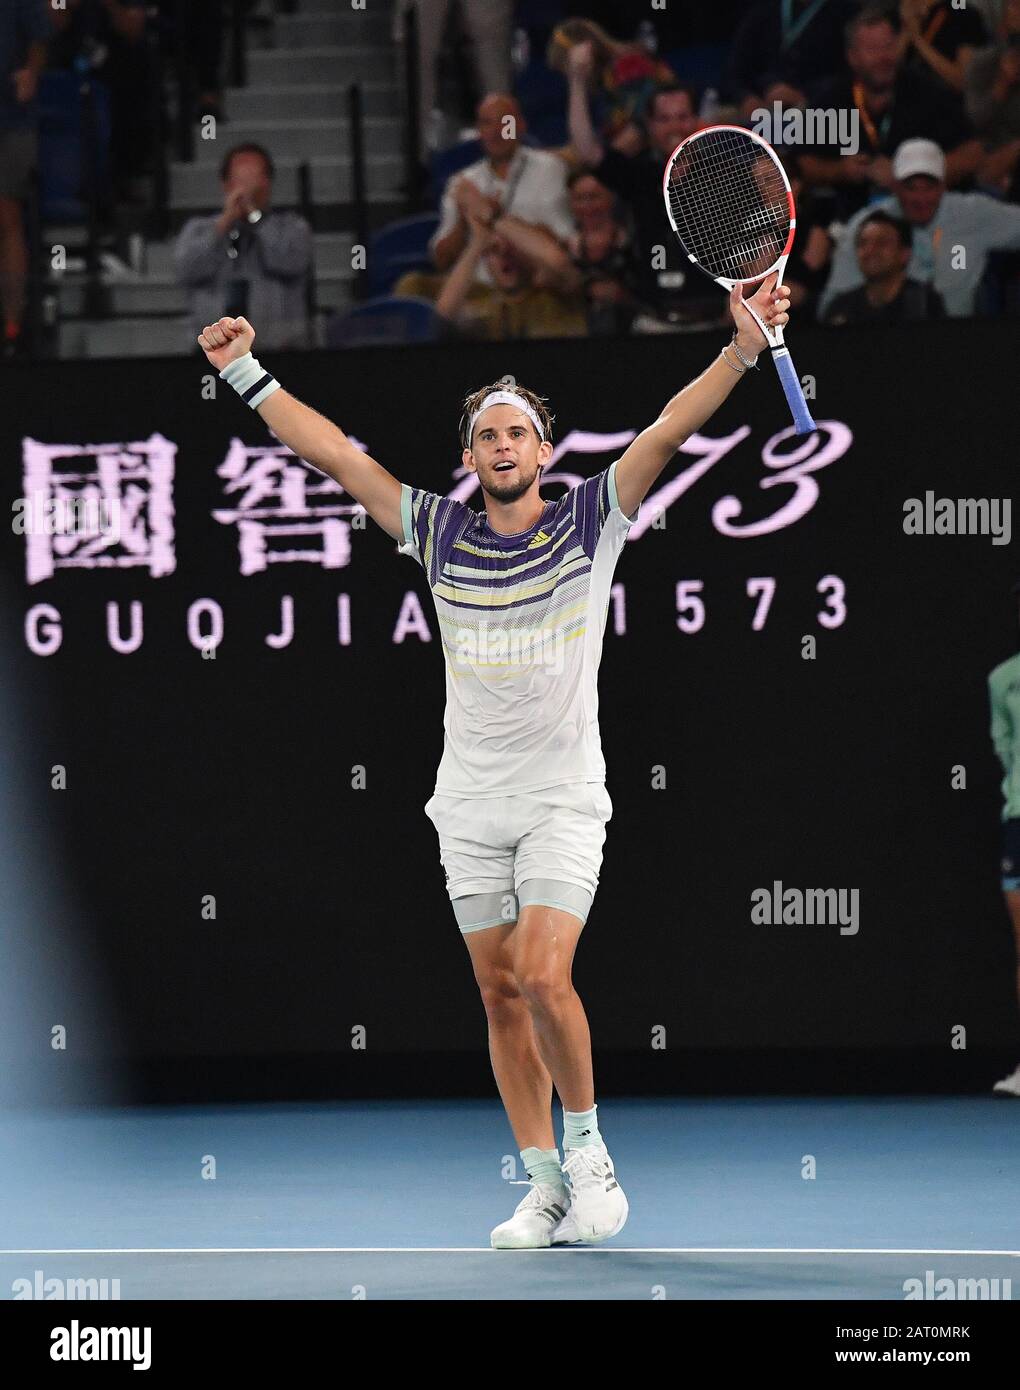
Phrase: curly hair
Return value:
(507, 383)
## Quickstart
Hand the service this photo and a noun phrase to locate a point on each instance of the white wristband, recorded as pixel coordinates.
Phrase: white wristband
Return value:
(248, 379)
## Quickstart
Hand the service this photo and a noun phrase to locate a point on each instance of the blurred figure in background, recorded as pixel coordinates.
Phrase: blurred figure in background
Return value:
(249, 261)
(601, 250)
(107, 38)
(891, 105)
(993, 104)
(941, 39)
(623, 77)
(672, 294)
(780, 46)
(24, 29)
(489, 24)
(939, 222)
(1004, 698)
(883, 245)
(510, 178)
(534, 290)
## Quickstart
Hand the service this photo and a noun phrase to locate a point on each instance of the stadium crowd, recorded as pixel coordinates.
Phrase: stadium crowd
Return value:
(898, 124)
(905, 172)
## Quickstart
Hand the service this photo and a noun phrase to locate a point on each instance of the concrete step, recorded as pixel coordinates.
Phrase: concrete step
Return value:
(325, 28)
(325, 100)
(162, 295)
(139, 337)
(126, 337)
(197, 185)
(281, 67)
(304, 137)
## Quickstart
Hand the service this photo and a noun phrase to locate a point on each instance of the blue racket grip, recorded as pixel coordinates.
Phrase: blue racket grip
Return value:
(792, 390)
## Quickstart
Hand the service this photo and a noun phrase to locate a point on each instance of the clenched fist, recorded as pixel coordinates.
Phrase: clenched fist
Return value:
(226, 340)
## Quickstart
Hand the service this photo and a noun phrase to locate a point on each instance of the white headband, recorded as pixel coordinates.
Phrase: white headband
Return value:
(505, 398)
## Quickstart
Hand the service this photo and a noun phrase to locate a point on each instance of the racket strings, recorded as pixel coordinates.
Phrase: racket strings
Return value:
(729, 203)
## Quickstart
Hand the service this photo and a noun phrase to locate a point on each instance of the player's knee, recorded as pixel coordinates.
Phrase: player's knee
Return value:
(500, 996)
(543, 988)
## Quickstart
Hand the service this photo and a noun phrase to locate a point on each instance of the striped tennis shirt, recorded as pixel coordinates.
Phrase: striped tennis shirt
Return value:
(521, 620)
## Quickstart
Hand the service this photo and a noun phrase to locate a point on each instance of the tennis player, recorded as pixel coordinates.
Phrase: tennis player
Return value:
(521, 592)
(1004, 697)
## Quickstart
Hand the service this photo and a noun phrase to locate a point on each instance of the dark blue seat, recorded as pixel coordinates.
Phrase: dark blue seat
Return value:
(397, 247)
(387, 319)
(443, 164)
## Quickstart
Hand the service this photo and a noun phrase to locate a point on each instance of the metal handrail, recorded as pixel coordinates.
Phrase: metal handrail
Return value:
(307, 208)
(412, 121)
(355, 108)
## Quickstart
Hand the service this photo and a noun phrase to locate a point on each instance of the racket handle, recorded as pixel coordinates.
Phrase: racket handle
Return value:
(792, 390)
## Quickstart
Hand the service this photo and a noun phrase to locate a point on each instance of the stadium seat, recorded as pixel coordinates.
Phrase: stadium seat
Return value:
(61, 146)
(443, 164)
(397, 247)
(387, 319)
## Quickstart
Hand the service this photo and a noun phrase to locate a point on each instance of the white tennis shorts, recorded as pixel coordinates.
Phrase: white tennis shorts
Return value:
(506, 852)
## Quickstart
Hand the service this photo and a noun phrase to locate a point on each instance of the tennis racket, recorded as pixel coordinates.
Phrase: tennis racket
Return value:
(730, 203)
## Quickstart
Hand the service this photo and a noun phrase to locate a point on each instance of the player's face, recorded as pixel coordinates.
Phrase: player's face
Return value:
(880, 251)
(919, 198)
(505, 436)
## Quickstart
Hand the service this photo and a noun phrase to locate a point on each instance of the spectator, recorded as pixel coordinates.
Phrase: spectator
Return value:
(941, 223)
(808, 266)
(624, 76)
(781, 45)
(489, 23)
(249, 261)
(883, 245)
(511, 177)
(108, 37)
(892, 105)
(534, 291)
(993, 104)
(941, 39)
(602, 251)
(671, 292)
(24, 28)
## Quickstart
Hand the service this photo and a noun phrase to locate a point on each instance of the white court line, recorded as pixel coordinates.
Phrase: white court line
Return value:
(478, 1249)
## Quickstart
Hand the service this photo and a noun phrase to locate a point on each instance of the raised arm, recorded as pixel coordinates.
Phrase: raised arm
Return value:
(580, 68)
(542, 249)
(649, 453)
(312, 437)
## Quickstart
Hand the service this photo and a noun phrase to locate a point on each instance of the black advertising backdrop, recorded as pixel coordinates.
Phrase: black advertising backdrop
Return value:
(231, 776)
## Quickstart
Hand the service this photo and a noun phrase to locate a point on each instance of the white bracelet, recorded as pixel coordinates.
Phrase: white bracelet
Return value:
(248, 379)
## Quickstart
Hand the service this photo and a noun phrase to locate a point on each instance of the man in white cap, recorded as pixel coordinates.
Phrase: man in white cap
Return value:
(953, 233)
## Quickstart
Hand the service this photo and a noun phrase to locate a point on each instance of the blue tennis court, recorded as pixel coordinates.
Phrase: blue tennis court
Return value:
(395, 1200)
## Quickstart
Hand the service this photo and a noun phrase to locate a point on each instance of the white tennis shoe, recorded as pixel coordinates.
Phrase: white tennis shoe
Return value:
(598, 1207)
(536, 1217)
(1009, 1085)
